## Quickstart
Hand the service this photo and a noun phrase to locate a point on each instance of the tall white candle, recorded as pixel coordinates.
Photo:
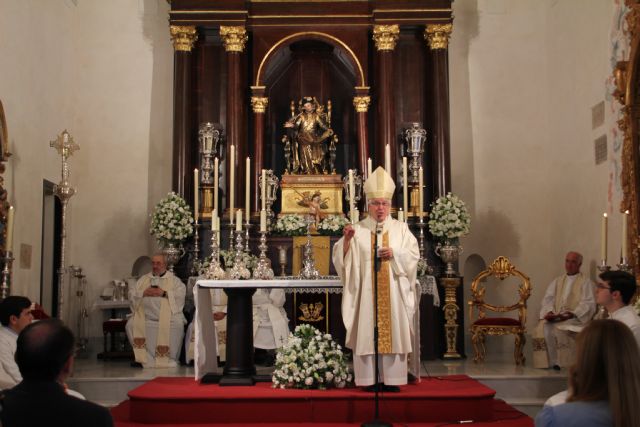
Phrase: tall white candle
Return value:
(231, 187)
(387, 158)
(214, 215)
(420, 192)
(263, 190)
(603, 243)
(9, 242)
(352, 190)
(625, 218)
(239, 220)
(369, 167)
(216, 171)
(401, 215)
(196, 191)
(356, 215)
(405, 186)
(247, 191)
(263, 221)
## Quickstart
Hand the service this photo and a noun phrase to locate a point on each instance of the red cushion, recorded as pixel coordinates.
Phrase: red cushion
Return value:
(498, 321)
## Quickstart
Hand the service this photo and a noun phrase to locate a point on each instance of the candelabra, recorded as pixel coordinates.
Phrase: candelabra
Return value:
(195, 252)
(271, 192)
(309, 270)
(215, 271)
(239, 270)
(6, 275)
(263, 270)
(66, 146)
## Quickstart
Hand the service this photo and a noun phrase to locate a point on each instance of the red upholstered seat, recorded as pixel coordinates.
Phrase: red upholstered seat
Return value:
(500, 321)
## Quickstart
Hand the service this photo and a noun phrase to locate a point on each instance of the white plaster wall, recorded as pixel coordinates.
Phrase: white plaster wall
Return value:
(524, 76)
(105, 69)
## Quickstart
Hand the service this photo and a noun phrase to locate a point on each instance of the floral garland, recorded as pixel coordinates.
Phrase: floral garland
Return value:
(310, 360)
(449, 218)
(291, 225)
(171, 221)
(332, 225)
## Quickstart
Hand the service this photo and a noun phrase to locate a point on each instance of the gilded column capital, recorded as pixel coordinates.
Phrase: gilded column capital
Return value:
(361, 103)
(259, 103)
(437, 35)
(234, 38)
(183, 37)
(385, 36)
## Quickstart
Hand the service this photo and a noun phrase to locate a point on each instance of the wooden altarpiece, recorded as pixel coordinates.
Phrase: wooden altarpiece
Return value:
(383, 64)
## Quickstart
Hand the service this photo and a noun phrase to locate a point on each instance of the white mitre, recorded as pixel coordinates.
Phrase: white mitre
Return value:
(379, 185)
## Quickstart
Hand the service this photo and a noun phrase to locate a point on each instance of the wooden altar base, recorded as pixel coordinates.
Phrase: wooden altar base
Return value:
(183, 401)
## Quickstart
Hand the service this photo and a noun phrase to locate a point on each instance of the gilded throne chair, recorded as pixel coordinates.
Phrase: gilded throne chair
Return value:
(503, 322)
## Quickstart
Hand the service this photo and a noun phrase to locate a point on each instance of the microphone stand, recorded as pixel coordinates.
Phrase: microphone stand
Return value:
(376, 263)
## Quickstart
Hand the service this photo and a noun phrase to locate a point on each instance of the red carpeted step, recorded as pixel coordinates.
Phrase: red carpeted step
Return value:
(184, 401)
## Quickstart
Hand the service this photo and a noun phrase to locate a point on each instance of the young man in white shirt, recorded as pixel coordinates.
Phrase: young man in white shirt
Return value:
(15, 315)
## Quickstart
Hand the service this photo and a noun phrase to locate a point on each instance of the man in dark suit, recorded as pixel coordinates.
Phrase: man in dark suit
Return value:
(45, 358)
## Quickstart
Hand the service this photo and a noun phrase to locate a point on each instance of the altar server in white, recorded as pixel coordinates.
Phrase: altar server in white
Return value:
(353, 257)
(156, 328)
(270, 323)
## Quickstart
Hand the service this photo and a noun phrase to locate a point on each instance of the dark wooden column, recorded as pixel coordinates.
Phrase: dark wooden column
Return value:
(234, 39)
(183, 38)
(385, 37)
(437, 36)
(259, 104)
(361, 103)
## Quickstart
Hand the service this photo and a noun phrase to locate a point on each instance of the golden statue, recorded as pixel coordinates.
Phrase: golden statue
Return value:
(309, 146)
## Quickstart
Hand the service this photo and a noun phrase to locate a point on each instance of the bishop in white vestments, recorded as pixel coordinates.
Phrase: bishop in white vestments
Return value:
(398, 253)
(156, 328)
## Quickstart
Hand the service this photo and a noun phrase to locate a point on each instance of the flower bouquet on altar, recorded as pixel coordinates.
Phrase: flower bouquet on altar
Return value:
(291, 225)
(448, 221)
(332, 225)
(310, 360)
(171, 224)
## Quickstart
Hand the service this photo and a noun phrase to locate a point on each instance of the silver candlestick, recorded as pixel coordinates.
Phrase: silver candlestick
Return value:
(625, 266)
(263, 270)
(6, 275)
(239, 270)
(271, 193)
(215, 271)
(247, 226)
(603, 266)
(195, 252)
(309, 270)
(421, 225)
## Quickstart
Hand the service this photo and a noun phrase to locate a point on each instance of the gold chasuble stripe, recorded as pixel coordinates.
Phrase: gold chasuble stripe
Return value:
(384, 297)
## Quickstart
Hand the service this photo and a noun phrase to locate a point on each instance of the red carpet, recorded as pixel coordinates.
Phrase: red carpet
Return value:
(171, 402)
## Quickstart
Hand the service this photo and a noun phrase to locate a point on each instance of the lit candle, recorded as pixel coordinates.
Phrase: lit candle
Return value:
(625, 218)
(216, 166)
(232, 172)
(420, 192)
(352, 190)
(195, 195)
(239, 220)
(214, 215)
(401, 215)
(247, 191)
(9, 242)
(603, 243)
(369, 167)
(387, 159)
(263, 221)
(405, 187)
(263, 190)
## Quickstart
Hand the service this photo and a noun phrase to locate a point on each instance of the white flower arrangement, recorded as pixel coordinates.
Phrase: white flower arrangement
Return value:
(332, 225)
(449, 218)
(291, 225)
(309, 360)
(171, 221)
(228, 257)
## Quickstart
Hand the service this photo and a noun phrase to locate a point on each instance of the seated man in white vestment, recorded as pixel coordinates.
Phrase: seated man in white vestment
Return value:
(568, 305)
(353, 257)
(270, 323)
(156, 327)
(219, 311)
(15, 315)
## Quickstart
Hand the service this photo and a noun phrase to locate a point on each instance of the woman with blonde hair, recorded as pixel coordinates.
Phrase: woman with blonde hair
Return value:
(604, 382)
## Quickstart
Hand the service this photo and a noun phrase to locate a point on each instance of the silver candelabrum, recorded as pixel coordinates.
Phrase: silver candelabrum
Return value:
(271, 192)
(195, 252)
(239, 270)
(215, 271)
(65, 146)
(263, 270)
(209, 141)
(309, 270)
(5, 288)
(415, 137)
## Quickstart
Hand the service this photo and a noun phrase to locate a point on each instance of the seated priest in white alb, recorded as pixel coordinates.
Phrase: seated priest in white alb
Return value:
(219, 309)
(156, 327)
(567, 306)
(398, 253)
(270, 323)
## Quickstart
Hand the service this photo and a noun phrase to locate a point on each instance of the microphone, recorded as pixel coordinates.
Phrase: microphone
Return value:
(378, 241)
